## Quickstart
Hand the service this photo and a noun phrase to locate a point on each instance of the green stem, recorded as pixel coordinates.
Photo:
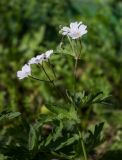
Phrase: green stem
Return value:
(75, 69)
(84, 151)
(76, 59)
(82, 144)
(46, 74)
(52, 68)
(80, 45)
(77, 47)
(50, 80)
(73, 50)
(39, 79)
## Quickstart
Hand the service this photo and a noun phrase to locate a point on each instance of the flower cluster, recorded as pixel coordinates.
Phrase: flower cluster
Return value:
(26, 69)
(75, 31)
(40, 58)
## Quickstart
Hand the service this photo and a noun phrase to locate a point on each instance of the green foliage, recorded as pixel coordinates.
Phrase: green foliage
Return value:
(56, 135)
(26, 35)
(94, 138)
(6, 115)
(30, 26)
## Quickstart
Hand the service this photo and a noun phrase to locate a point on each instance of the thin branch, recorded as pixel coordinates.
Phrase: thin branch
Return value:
(41, 80)
(52, 68)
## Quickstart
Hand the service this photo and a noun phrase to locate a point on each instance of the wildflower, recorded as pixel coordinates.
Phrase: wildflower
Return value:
(36, 60)
(40, 58)
(25, 72)
(47, 54)
(32, 61)
(75, 31)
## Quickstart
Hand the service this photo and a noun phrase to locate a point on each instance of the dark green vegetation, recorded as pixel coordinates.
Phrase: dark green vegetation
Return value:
(31, 26)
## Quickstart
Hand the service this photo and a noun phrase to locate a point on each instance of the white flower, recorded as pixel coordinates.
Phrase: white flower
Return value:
(40, 58)
(32, 60)
(47, 54)
(36, 60)
(65, 30)
(25, 72)
(76, 30)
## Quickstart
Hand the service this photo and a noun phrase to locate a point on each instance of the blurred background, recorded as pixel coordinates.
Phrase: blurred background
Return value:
(28, 27)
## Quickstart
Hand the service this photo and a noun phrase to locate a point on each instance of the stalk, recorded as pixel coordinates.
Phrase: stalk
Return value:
(84, 150)
(73, 50)
(41, 80)
(75, 69)
(50, 80)
(83, 146)
(52, 68)
(46, 73)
